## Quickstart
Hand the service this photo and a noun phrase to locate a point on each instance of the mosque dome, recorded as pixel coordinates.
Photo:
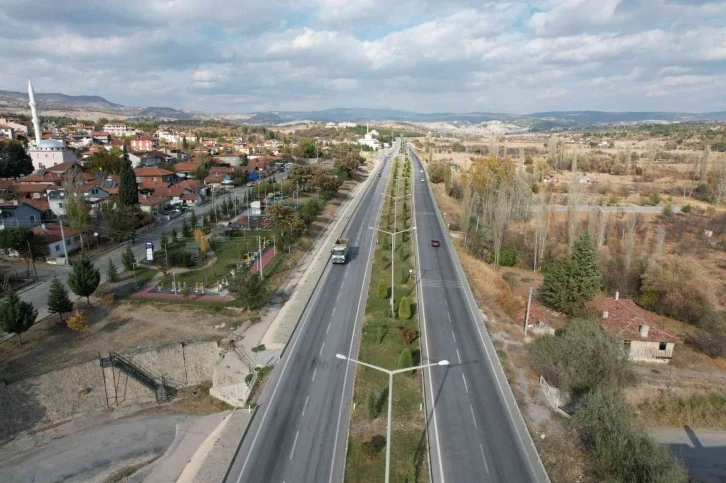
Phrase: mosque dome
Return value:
(51, 145)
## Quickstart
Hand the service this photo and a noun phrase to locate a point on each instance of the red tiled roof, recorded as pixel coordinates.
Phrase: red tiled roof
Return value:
(41, 204)
(186, 167)
(52, 232)
(63, 167)
(625, 319)
(148, 185)
(215, 178)
(47, 177)
(100, 133)
(151, 200)
(220, 169)
(189, 197)
(151, 171)
(32, 187)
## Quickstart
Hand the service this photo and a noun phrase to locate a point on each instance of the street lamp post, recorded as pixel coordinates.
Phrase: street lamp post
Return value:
(393, 253)
(390, 398)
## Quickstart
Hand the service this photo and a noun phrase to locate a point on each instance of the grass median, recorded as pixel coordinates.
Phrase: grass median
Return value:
(391, 343)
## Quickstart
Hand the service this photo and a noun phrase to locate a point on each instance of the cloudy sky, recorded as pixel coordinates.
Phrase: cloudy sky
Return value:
(421, 55)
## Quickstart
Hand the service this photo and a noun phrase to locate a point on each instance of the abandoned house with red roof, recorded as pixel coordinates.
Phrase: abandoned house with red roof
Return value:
(643, 338)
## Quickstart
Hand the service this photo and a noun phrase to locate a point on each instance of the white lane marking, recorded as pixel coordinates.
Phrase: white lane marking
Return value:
(277, 384)
(449, 316)
(458, 355)
(476, 426)
(345, 275)
(328, 329)
(306, 405)
(293, 444)
(428, 352)
(315, 372)
(339, 294)
(446, 303)
(321, 349)
(454, 336)
(350, 348)
(486, 466)
(466, 386)
(332, 314)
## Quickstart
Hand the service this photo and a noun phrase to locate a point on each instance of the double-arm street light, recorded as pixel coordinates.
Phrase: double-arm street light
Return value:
(390, 398)
(393, 253)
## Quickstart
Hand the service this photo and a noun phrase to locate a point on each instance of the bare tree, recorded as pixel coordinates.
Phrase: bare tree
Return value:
(541, 232)
(628, 158)
(630, 240)
(705, 161)
(76, 205)
(650, 155)
(719, 178)
(552, 152)
(499, 221)
(660, 240)
(466, 203)
(573, 204)
(602, 226)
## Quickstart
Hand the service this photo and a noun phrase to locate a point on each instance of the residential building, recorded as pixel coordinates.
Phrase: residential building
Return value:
(33, 190)
(7, 131)
(54, 238)
(144, 143)
(187, 169)
(153, 204)
(101, 137)
(643, 339)
(154, 175)
(15, 126)
(115, 129)
(218, 180)
(19, 213)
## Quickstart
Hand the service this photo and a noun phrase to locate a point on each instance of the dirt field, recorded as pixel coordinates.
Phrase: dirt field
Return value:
(128, 326)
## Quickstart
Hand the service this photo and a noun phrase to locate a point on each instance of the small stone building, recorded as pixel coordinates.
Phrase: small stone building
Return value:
(643, 338)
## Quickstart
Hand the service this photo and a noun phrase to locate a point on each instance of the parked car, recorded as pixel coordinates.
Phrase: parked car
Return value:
(435, 243)
(250, 184)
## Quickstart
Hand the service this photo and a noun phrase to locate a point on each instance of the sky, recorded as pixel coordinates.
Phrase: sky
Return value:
(424, 55)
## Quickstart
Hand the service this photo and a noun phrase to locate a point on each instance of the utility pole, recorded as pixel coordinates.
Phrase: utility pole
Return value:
(259, 257)
(63, 238)
(526, 317)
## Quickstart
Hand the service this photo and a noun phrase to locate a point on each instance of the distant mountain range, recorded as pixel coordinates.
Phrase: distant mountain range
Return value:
(79, 106)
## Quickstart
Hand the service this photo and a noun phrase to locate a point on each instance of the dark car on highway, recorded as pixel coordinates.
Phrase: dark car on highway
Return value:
(435, 243)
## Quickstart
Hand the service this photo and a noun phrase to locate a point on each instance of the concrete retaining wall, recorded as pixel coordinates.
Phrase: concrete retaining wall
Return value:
(86, 387)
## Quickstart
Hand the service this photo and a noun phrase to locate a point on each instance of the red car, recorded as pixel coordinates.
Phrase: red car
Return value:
(435, 243)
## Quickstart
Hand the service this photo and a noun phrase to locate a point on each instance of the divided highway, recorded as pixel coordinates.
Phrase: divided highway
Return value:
(474, 426)
(299, 433)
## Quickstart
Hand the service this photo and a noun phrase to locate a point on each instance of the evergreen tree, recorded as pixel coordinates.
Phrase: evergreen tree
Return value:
(404, 309)
(16, 316)
(128, 191)
(571, 281)
(250, 290)
(173, 237)
(128, 259)
(186, 229)
(405, 359)
(382, 291)
(193, 220)
(14, 160)
(111, 272)
(58, 300)
(585, 267)
(84, 278)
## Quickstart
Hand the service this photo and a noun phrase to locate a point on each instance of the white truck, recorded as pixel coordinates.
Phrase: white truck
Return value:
(340, 251)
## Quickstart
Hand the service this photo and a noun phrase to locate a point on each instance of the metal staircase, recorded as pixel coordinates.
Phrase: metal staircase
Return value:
(162, 391)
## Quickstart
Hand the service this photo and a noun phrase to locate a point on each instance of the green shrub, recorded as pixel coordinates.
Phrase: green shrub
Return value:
(405, 275)
(382, 291)
(507, 256)
(381, 333)
(686, 209)
(654, 199)
(404, 309)
(372, 406)
(183, 259)
(405, 359)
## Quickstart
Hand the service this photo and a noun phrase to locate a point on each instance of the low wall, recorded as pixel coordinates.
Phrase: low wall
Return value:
(86, 387)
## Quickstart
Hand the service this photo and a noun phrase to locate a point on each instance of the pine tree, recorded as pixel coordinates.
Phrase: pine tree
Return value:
(193, 220)
(585, 266)
(404, 309)
(111, 272)
(173, 237)
(84, 278)
(128, 191)
(556, 288)
(16, 316)
(250, 291)
(58, 300)
(186, 229)
(128, 259)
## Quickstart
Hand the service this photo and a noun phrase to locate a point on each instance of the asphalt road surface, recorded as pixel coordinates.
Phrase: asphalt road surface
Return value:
(474, 427)
(38, 295)
(299, 433)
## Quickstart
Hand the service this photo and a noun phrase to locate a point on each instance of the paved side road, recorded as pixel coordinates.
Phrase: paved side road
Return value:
(38, 294)
(703, 451)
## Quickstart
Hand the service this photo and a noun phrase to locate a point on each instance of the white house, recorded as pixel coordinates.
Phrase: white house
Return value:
(54, 238)
(115, 129)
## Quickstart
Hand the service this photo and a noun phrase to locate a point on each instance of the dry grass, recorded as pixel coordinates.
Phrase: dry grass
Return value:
(707, 410)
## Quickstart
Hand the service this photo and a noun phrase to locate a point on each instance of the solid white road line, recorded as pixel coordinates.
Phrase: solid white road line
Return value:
(314, 372)
(428, 354)
(473, 417)
(279, 379)
(466, 386)
(321, 349)
(350, 348)
(293, 444)
(458, 355)
(486, 466)
(306, 405)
